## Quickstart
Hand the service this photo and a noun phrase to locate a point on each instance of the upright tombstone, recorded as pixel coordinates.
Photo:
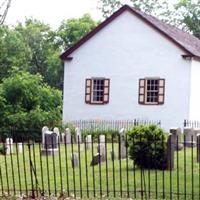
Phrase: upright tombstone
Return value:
(88, 141)
(177, 138)
(170, 152)
(74, 159)
(101, 148)
(122, 144)
(78, 138)
(67, 136)
(9, 146)
(96, 159)
(56, 130)
(102, 140)
(196, 132)
(49, 142)
(189, 137)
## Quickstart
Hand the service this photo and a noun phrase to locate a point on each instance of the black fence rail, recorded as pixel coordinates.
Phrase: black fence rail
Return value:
(110, 124)
(115, 166)
(191, 123)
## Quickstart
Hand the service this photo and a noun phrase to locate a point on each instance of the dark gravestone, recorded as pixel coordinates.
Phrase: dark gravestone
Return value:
(75, 162)
(51, 141)
(170, 152)
(96, 159)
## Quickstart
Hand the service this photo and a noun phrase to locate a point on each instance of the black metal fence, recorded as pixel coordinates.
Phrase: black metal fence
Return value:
(191, 123)
(75, 169)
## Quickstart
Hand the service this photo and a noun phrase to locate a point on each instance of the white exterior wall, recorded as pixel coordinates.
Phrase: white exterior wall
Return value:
(124, 51)
(195, 91)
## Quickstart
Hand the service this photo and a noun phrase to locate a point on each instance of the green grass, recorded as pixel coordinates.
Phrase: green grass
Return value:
(155, 180)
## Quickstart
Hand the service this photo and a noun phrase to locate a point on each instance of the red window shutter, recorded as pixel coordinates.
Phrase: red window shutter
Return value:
(88, 90)
(161, 91)
(106, 91)
(141, 96)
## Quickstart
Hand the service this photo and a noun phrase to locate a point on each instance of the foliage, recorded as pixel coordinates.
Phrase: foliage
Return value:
(147, 146)
(28, 103)
(71, 30)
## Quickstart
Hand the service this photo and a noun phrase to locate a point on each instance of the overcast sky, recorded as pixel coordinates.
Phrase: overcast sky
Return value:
(51, 11)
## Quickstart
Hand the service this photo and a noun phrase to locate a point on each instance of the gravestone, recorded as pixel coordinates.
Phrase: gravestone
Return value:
(112, 153)
(96, 159)
(19, 147)
(88, 140)
(49, 142)
(78, 138)
(189, 133)
(198, 147)
(9, 146)
(196, 132)
(170, 152)
(177, 138)
(67, 136)
(56, 130)
(102, 151)
(102, 140)
(62, 137)
(122, 144)
(74, 159)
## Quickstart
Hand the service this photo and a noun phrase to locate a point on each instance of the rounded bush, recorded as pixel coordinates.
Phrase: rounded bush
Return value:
(147, 146)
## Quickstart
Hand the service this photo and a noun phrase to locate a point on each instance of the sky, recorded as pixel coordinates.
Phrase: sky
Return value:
(51, 11)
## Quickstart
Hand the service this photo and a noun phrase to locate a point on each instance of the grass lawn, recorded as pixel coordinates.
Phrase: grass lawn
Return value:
(55, 174)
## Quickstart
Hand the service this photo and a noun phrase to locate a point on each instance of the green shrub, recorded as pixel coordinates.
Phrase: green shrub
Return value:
(147, 146)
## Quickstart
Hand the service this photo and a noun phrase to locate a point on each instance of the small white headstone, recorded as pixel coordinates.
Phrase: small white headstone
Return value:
(189, 134)
(122, 147)
(78, 135)
(88, 141)
(67, 136)
(9, 146)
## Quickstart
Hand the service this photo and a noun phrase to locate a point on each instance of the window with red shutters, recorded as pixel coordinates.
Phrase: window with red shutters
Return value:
(151, 91)
(97, 91)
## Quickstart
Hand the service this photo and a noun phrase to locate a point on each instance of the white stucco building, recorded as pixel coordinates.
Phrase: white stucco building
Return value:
(133, 66)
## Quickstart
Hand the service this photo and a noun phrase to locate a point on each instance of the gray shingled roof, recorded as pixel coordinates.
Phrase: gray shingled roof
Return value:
(186, 40)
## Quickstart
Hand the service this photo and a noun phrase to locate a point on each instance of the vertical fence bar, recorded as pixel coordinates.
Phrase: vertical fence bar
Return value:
(54, 168)
(140, 156)
(79, 157)
(127, 174)
(192, 166)
(60, 169)
(177, 163)
(24, 164)
(11, 158)
(100, 161)
(74, 178)
(113, 168)
(120, 165)
(163, 171)
(1, 179)
(134, 177)
(66, 162)
(93, 174)
(86, 168)
(170, 163)
(107, 186)
(185, 192)
(41, 169)
(18, 169)
(31, 172)
(47, 163)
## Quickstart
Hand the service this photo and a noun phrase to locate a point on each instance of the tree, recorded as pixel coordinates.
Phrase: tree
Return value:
(14, 51)
(40, 39)
(71, 30)
(28, 104)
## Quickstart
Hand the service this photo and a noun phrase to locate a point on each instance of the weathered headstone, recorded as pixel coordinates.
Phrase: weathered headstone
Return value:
(102, 140)
(74, 159)
(177, 138)
(198, 147)
(170, 152)
(49, 142)
(196, 132)
(88, 141)
(102, 151)
(19, 147)
(56, 130)
(122, 144)
(67, 136)
(9, 146)
(78, 138)
(189, 135)
(96, 159)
